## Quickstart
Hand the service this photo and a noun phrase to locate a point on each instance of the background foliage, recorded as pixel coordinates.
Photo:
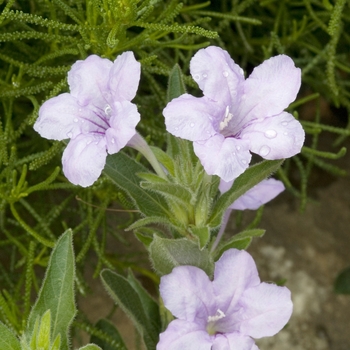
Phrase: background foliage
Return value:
(41, 39)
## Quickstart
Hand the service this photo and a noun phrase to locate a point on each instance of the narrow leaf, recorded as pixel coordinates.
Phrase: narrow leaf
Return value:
(251, 177)
(90, 347)
(122, 170)
(122, 292)
(110, 338)
(165, 254)
(57, 291)
(176, 85)
(203, 234)
(164, 159)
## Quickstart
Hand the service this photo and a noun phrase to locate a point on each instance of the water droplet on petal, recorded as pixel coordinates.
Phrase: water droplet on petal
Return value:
(238, 148)
(244, 161)
(69, 134)
(225, 74)
(204, 75)
(79, 109)
(264, 151)
(113, 141)
(88, 142)
(270, 134)
(284, 123)
(76, 120)
(192, 125)
(176, 128)
(285, 133)
(108, 109)
(197, 77)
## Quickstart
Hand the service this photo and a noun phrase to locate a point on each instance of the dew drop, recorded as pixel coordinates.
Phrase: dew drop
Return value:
(270, 134)
(192, 125)
(225, 74)
(88, 142)
(264, 151)
(69, 134)
(197, 77)
(284, 123)
(176, 128)
(285, 133)
(234, 153)
(113, 141)
(108, 109)
(244, 161)
(79, 109)
(205, 76)
(76, 120)
(238, 148)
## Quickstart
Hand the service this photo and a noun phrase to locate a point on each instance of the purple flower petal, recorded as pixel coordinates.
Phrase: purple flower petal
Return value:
(233, 341)
(277, 137)
(123, 124)
(234, 272)
(267, 308)
(84, 159)
(270, 89)
(56, 118)
(184, 335)
(260, 194)
(88, 80)
(217, 75)
(192, 118)
(226, 157)
(188, 293)
(124, 77)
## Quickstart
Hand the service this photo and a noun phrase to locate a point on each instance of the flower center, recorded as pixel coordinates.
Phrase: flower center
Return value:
(211, 325)
(227, 117)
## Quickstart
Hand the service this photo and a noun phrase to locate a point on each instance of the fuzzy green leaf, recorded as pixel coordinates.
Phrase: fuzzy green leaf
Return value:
(176, 85)
(90, 347)
(122, 170)
(251, 177)
(164, 159)
(124, 294)
(203, 234)
(240, 241)
(8, 340)
(109, 337)
(165, 254)
(57, 291)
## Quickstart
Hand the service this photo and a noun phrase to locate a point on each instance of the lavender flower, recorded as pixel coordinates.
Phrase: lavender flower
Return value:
(235, 115)
(258, 195)
(97, 115)
(224, 313)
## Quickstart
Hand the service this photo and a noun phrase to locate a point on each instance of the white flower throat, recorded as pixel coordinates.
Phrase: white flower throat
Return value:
(227, 117)
(211, 322)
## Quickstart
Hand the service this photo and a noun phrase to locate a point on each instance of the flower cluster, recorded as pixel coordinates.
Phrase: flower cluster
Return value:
(226, 313)
(97, 115)
(235, 115)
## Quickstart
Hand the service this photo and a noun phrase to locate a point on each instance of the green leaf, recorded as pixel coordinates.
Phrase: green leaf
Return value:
(8, 340)
(171, 191)
(110, 338)
(43, 337)
(203, 234)
(122, 170)
(240, 241)
(165, 254)
(57, 291)
(149, 305)
(90, 347)
(251, 177)
(123, 293)
(56, 345)
(342, 283)
(164, 159)
(176, 85)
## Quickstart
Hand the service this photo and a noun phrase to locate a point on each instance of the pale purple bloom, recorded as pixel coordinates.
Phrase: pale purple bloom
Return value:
(237, 115)
(258, 195)
(223, 314)
(97, 115)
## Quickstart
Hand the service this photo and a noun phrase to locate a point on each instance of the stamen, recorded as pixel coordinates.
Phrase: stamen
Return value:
(228, 116)
(219, 315)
